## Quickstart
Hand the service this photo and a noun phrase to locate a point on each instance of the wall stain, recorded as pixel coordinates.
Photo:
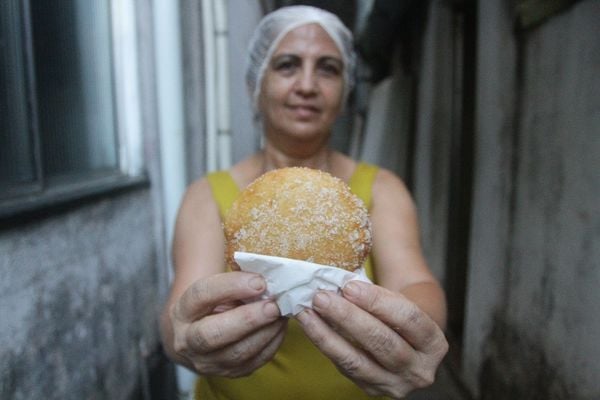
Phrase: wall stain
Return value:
(81, 342)
(516, 367)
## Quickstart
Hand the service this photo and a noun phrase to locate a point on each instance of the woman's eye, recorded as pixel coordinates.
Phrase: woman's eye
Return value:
(329, 67)
(285, 65)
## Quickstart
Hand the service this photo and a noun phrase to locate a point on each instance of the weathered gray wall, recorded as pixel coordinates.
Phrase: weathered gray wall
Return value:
(387, 128)
(79, 296)
(496, 108)
(532, 314)
(434, 119)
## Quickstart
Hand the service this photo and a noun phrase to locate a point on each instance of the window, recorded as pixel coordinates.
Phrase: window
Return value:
(59, 135)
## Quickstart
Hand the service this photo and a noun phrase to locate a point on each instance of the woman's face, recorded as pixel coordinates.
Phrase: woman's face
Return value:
(301, 92)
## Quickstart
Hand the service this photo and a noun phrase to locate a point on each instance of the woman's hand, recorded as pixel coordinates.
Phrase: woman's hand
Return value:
(377, 338)
(216, 334)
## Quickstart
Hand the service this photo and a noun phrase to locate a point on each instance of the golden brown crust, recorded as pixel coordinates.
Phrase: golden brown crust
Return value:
(299, 213)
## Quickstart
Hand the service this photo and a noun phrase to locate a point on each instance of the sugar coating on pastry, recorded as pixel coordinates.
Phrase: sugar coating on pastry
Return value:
(299, 213)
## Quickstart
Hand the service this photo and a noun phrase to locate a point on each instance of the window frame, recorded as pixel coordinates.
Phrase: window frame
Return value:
(41, 196)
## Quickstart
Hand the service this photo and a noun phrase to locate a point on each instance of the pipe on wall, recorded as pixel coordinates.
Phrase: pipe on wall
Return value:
(170, 105)
(127, 81)
(171, 122)
(222, 59)
(216, 71)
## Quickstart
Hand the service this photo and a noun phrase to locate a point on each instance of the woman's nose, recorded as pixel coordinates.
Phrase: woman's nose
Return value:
(307, 82)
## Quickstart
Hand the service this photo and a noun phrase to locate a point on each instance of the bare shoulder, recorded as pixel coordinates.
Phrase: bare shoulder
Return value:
(198, 202)
(389, 190)
(393, 212)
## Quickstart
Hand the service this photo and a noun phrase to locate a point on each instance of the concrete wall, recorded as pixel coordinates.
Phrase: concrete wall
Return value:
(433, 132)
(79, 294)
(532, 313)
(388, 126)
(496, 105)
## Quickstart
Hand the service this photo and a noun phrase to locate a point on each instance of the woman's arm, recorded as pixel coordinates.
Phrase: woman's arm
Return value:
(204, 324)
(387, 338)
(399, 260)
(196, 253)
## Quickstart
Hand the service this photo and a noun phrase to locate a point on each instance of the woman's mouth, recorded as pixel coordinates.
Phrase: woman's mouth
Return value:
(304, 111)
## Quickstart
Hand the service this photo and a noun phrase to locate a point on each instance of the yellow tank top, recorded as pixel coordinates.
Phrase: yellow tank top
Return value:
(298, 370)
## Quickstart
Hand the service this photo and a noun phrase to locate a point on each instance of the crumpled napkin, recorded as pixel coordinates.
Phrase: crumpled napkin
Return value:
(293, 283)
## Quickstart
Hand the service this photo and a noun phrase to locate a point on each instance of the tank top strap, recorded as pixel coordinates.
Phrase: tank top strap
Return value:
(361, 182)
(224, 189)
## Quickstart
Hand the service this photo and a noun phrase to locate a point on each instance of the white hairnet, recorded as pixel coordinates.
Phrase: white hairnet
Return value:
(274, 26)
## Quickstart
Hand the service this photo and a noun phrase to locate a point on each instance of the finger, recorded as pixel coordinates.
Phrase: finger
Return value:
(250, 346)
(261, 352)
(350, 360)
(205, 294)
(402, 315)
(219, 330)
(356, 364)
(376, 338)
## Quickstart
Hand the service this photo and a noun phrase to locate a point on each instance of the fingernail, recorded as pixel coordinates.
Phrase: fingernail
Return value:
(256, 283)
(321, 300)
(271, 310)
(352, 290)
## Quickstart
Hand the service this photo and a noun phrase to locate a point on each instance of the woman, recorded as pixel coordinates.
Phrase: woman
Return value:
(384, 339)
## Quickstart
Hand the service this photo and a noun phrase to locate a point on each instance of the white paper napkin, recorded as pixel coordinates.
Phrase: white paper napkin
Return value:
(293, 283)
